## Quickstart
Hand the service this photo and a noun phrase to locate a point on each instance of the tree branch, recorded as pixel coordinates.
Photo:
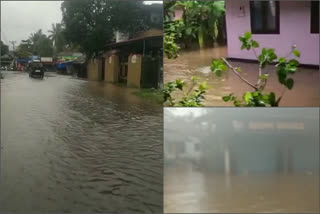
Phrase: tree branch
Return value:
(238, 74)
(260, 69)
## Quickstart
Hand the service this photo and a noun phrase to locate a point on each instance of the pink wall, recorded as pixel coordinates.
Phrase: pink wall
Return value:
(294, 30)
(178, 13)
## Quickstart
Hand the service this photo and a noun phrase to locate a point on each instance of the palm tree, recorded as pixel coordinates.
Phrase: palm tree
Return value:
(56, 36)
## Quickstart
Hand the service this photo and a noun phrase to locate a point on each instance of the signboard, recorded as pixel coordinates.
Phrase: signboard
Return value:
(46, 59)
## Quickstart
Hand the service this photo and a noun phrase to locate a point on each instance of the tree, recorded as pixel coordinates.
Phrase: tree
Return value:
(41, 44)
(91, 24)
(24, 50)
(202, 21)
(56, 35)
(4, 48)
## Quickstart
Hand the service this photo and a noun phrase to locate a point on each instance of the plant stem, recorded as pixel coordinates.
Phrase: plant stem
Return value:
(260, 69)
(238, 74)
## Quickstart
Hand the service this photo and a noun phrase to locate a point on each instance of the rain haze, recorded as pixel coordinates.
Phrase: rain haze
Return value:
(228, 160)
(33, 15)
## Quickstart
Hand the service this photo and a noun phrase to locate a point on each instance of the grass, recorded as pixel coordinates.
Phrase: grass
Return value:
(154, 95)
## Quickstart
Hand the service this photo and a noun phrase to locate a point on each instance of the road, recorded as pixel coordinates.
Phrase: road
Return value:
(69, 145)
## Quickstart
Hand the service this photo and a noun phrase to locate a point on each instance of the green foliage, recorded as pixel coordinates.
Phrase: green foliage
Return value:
(267, 56)
(4, 48)
(170, 48)
(201, 21)
(218, 66)
(37, 44)
(193, 98)
(248, 42)
(284, 68)
(57, 36)
(154, 95)
(258, 97)
(172, 33)
(253, 99)
(91, 24)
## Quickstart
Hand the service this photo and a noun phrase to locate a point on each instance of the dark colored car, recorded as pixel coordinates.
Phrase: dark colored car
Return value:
(36, 69)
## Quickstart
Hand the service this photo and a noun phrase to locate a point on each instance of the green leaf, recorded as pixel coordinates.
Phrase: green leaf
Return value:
(293, 62)
(254, 44)
(289, 83)
(272, 99)
(226, 98)
(203, 86)
(194, 78)
(282, 60)
(296, 52)
(247, 35)
(179, 84)
(264, 76)
(247, 97)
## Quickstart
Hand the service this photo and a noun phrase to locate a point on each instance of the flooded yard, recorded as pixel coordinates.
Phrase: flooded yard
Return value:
(196, 63)
(190, 190)
(69, 145)
(235, 160)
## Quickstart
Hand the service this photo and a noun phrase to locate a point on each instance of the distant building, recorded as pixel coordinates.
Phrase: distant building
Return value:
(136, 59)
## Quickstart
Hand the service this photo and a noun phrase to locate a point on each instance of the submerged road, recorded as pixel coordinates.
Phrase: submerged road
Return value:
(69, 145)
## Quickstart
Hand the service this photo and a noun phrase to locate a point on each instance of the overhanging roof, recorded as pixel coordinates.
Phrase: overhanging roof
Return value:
(130, 41)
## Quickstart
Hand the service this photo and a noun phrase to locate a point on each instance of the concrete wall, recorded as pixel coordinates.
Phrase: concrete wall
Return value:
(111, 68)
(94, 69)
(294, 30)
(134, 70)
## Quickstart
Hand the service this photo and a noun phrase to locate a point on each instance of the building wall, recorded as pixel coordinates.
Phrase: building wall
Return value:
(294, 30)
(134, 71)
(93, 70)
(178, 13)
(111, 68)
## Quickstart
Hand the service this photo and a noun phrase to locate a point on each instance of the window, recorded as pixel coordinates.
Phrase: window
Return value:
(264, 17)
(314, 17)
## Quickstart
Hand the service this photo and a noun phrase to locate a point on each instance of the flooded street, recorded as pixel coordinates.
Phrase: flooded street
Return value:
(191, 190)
(69, 145)
(196, 63)
(227, 160)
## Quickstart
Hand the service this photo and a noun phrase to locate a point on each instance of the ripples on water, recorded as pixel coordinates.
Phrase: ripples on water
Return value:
(76, 146)
(197, 63)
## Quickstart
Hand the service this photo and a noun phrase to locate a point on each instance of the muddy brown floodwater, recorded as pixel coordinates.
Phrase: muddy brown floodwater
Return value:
(235, 160)
(196, 63)
(69, 145)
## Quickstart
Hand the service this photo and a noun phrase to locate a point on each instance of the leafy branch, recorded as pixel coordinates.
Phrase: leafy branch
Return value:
(192, 98)
(283, 67)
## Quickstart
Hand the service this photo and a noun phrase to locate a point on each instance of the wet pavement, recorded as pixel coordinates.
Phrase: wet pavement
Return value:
(196, 63)
(69, 145)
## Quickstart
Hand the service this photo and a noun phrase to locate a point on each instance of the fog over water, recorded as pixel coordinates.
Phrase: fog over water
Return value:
(240, 160)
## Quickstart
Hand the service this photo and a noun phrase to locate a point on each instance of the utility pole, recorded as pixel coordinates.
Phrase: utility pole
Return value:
(13, 42)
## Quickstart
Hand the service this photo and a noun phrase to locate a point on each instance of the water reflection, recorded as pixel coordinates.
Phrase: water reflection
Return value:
(239, 160)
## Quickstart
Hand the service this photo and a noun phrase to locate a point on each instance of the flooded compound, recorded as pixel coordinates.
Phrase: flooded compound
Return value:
(241, 161)
(69, 145)
(197, 63)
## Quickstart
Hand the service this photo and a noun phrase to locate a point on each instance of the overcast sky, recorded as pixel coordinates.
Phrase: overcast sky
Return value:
(21, 18)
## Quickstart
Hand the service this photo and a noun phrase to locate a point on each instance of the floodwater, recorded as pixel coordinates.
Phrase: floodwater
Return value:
(239, 161)
(69, 145)
(196, 63)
